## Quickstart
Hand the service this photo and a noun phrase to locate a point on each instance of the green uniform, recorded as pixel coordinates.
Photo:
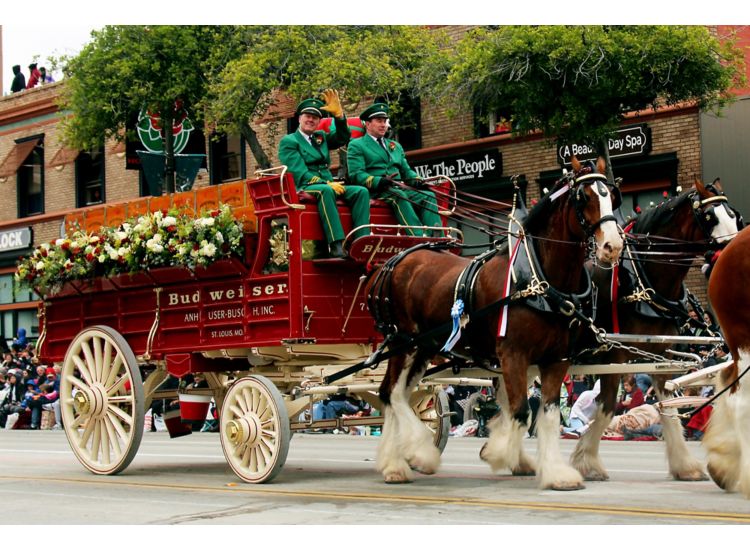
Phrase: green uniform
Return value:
(369, 161)
(309, 164)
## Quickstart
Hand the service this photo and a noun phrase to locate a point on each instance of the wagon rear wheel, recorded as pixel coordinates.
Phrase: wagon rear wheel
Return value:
(101, 400)
(255, 429)
(432, 409)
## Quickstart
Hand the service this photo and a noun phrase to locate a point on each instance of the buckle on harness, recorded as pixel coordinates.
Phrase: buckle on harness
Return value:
(567, 308)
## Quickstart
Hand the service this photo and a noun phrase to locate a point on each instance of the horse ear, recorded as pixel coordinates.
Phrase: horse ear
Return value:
(717, 184)
(702, 191)
(575, 164)
(601, 165)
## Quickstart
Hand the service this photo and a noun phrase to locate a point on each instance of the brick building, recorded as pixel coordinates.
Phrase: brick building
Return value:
(42, 181)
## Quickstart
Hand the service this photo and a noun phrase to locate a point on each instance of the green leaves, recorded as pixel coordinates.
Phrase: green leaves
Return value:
(579, 82)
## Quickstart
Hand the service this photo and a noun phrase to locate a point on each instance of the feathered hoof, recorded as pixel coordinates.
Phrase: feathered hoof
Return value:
(720, 477)
(595, 475)
(427, 462)
(565, 486)
(690, 475)
(395, 478)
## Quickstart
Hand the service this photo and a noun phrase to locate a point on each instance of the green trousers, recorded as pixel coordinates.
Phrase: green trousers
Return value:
(356, 197)
(413, 207)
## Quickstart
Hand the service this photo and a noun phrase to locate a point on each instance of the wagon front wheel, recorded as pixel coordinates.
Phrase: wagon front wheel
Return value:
(101, 400)
(432, 409)
(255, 429)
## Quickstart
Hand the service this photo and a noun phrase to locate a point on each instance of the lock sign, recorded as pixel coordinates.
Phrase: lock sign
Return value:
(15, 239)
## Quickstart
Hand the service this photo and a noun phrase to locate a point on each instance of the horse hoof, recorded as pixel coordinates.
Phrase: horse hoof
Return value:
(718, 477)
(696, 475)
(393, 479)
(566, 486)
(596, 476)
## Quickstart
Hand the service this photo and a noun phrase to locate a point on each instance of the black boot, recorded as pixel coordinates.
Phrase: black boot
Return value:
(337, 250)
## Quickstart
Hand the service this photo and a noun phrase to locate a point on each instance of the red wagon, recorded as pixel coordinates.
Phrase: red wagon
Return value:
(264, 330)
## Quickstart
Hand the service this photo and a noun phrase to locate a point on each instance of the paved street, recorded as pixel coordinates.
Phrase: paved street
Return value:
(330, 479)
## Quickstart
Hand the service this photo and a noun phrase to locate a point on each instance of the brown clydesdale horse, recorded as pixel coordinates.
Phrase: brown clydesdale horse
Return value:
(727, 438)
(420, 294)
(687, 226)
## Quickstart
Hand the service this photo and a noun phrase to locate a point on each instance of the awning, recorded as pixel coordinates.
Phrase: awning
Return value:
(16, 157)
(63, 156)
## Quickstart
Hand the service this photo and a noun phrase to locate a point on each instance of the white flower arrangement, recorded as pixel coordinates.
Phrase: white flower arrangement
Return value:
(155, 240)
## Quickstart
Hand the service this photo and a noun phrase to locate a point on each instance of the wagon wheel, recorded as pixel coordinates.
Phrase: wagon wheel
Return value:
(255, 429)
(101, 400)
(432, 409)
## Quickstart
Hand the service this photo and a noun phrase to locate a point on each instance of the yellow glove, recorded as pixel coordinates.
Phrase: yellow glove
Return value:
(337, 187)
(333, 104)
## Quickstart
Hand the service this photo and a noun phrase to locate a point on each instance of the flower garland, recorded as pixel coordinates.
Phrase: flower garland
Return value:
(159, 239)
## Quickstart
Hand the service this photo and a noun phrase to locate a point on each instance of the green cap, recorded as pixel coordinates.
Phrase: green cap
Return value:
(375, 110)
(311, 106)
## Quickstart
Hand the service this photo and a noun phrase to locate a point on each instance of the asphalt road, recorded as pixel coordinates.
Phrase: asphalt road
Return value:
(331, 480)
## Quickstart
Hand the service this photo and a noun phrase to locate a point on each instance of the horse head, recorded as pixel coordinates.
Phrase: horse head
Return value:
(593, 204)
(719, 222)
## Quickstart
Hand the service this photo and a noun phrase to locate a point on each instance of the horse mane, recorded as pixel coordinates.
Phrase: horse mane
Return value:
(657, 217)
(541, 211)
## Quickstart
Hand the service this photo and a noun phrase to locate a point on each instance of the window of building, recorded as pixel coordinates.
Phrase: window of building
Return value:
(90, 178)
(490, 124)
(227, 158)
(30, 182)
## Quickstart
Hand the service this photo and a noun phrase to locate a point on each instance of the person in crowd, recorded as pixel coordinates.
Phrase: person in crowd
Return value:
(19, 80)
(34, 76)
(45, 78)
(306, 153)
(641, 421)
(583, 411)
(21, 340)
(379, 164)
(534, 400)
(632, 397)
(46, 395)
(335, 406)
(12, 402)
(10, 361)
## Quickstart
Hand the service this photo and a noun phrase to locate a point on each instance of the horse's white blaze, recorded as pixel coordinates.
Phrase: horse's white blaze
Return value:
(553, 472)
(608, 232)
(726, 229)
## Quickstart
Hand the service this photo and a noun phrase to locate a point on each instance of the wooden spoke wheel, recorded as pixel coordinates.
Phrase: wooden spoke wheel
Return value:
(101, 400)
(432, 409)
(255, 429)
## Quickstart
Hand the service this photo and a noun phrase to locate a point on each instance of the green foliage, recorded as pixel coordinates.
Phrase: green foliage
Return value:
(359, 61)
(125, 68)
(578, 82)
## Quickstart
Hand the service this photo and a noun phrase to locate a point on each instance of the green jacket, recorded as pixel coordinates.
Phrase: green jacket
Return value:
(368, 162)
(310, 163)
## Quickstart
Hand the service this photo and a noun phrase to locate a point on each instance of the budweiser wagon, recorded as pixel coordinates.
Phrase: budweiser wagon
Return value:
(272, 327)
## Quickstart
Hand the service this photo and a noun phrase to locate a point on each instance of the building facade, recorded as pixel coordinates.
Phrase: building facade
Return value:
(654, 153)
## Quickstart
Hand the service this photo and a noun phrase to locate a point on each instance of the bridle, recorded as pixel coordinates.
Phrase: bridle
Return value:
(705, 215)
(580, 199)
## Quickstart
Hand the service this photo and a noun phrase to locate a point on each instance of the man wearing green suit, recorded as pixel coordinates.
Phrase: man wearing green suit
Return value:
(306, 155)
(378, 163)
